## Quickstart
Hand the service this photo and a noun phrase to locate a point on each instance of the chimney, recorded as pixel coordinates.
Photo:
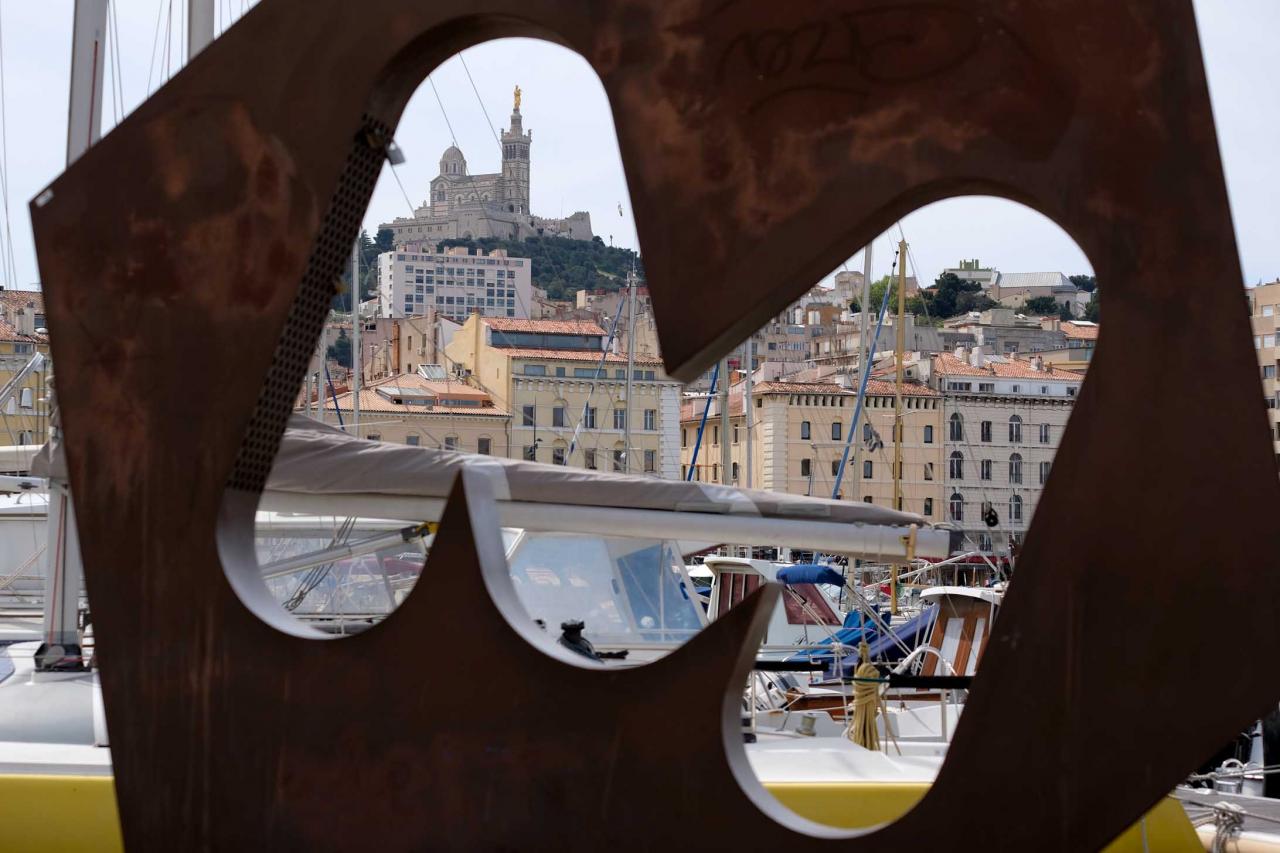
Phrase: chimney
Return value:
(976, 358)
(1037, 363)
(962, 353)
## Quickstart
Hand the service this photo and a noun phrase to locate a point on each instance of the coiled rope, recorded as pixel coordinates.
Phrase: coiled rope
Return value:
(866, 701)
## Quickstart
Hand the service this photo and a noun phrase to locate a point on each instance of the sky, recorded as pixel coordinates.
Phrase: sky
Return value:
(575, 161)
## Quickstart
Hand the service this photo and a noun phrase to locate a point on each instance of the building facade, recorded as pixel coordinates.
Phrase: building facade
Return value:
(567, 394)
(1264, 308)
(467, 206)
(419, 276)
(799, 434)
(1004, 418)
(23, 337)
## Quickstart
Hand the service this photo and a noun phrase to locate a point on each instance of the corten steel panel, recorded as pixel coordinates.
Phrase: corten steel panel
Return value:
(187, 260)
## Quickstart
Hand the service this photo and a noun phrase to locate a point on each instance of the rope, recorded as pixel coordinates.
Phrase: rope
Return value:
(1228, 820)
(866, 701)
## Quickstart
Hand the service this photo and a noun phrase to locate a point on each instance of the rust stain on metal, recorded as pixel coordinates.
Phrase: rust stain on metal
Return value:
(763, 144)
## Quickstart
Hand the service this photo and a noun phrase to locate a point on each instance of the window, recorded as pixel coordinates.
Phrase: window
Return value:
(835, 467)
(373, 436)
(484, 446)
(835, 431)
(988, 387)
(715, 435)
(26, 399)
(928, 506)
(1267, 311)
(959, 386)
(928, 470)
(651, 420)
(559, 371)
(411, 440)
(986, 430)
(619, 418)
(651, 463)
(984, 469)
(450, 442)
(684, 437)
(866, 431)
(1015, 508)
(531, 452)
(557, 456)
(589, 419)
(529, 416)
(1015, 469)
(957, 427)
(557, 416)
(619, 459)
(1044, 433)
(956, 507)
(956, 468)
(804, 429)
(868, 469)
(1015, 430)
(806, 468)
(734, 472)
(589, 458)
(1268, 341)
(928, 433)
(1044, 472)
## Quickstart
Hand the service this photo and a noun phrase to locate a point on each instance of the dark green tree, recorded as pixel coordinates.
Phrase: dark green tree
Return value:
(1091, 310)
(1041, 306)
(340, 350)
(1087, 283)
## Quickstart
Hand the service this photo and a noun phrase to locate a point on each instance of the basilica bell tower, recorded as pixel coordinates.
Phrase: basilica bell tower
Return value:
(515, 161)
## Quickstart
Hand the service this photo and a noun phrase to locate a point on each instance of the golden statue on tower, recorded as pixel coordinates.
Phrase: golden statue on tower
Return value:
(517, 95)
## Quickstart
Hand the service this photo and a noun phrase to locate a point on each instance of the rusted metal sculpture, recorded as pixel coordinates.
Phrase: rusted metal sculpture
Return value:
(188, 261)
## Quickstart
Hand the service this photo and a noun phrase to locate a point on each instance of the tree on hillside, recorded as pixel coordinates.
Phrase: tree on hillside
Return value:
(1041, 306)
(914, 304)
(562, 266)
(1087, 283)
(340, 350)
(1091, 310)
(952, 295)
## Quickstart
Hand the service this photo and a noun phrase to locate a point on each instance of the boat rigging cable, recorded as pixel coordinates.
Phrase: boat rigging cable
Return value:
(862, 387)
(702, 425)
(10, 269)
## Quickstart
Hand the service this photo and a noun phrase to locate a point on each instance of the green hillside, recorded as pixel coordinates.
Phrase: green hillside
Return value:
(561, 266)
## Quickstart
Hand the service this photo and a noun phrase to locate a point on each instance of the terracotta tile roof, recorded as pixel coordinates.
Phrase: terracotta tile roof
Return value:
(691, 410)
(9, 333)
(1080, 332)
(948, 365)
(881, 388)
(545, 327)
(576, 355)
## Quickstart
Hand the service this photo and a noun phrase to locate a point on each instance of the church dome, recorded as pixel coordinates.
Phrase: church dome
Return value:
(452, 162)
(452, 153)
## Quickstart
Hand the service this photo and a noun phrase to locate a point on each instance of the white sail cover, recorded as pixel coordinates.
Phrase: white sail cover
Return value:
(317, 459)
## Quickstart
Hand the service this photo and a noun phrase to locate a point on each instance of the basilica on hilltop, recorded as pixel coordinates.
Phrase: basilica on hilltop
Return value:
(463, 205)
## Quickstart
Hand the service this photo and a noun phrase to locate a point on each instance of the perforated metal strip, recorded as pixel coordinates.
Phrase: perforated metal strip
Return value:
(306, 317)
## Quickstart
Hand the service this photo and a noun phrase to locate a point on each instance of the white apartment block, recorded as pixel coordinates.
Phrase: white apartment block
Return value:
(416, 277)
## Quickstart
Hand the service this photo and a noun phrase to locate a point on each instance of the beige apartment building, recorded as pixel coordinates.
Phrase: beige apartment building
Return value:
(799, 433)
(567, 395)
(1004, 417)
(413, 410)
(1264, 308)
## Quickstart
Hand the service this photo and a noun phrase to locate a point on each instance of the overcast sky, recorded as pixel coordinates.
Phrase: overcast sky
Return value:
(575, 162)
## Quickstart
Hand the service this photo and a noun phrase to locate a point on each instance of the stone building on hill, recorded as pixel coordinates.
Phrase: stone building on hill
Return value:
(472, 206)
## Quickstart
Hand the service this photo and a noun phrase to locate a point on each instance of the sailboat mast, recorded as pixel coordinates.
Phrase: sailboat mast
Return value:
(356, 366)
(631, 366)
(200, 15)
(899, 353)
(88, 53)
